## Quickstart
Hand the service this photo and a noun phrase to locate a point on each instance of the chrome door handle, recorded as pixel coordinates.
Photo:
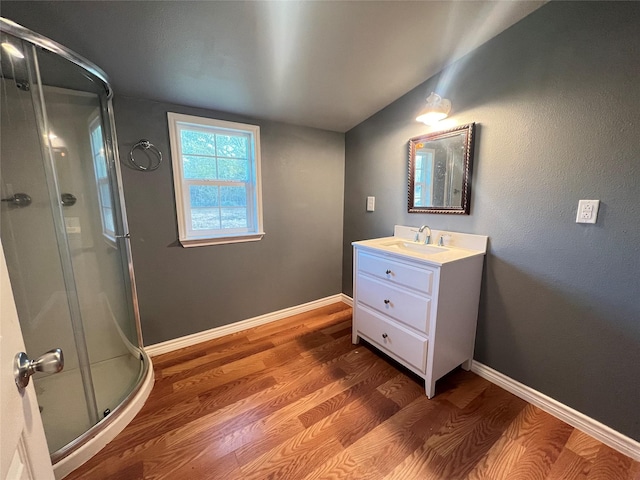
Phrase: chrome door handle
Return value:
(126, 235)
(50, 362)
(19, 200)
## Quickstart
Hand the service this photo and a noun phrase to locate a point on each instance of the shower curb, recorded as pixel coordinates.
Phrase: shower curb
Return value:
(105, 433)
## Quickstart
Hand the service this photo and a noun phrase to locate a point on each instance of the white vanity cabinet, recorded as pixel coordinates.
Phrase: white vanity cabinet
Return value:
(417, 309)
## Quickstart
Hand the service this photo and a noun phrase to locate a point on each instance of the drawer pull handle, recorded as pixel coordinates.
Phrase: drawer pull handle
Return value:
(387, 301)
(388, 272)
(384, 335)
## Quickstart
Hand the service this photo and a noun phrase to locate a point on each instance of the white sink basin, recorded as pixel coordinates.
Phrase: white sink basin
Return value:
(416, 247)
(460, 246)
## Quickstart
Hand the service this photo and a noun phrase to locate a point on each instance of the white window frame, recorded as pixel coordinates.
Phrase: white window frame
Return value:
(110, 235)
(194, 238)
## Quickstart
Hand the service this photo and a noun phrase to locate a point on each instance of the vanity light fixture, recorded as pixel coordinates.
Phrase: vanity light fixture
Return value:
(12, 50)
(437, 109)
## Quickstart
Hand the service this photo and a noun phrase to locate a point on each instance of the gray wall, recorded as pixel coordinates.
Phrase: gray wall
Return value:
(183, 291)
(556, 98)
(187, 290)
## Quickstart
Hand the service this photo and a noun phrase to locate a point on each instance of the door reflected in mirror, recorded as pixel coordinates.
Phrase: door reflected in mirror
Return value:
(440, 171)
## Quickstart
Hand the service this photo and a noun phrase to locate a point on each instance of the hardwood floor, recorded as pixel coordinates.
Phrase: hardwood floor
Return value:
(294, 399)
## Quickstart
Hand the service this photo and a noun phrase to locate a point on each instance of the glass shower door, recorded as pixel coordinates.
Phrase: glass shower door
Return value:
(95, 238)
(30, 241)
(65, 249)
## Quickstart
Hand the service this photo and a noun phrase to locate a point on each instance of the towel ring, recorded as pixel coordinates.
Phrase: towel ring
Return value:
(146, 145)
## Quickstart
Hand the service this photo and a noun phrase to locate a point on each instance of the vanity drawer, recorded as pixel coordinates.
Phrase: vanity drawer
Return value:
(420, 279)
(392, 338)
(398, 303)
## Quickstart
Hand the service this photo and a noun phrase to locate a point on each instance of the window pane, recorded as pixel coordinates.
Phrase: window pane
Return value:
(234, 217)
(231, 146)
(101, 166)
(107, 218)
(201, 168)
(199, 143)
(205, 218)
(233, 197)
(96, 139)
(105, 195)
(232, 169)
(203, 196)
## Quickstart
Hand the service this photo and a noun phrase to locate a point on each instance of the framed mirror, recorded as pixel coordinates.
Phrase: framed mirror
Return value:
(440, 171)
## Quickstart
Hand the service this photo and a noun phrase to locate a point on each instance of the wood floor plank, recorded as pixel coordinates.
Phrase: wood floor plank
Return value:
(295, 399)
(319, 318)
(343, 467)
(345, 397)
(382, 453)
(401, 389)
(190, 463)
(221, 375)
(610, 464)
(292, 411)
(497, 464)
(424, 463)
(473, 387)
(545, 438)
(202, 349)
(272, 405)
(482, 437)
(213, 360)
(358, 418)
(463, 421)
(583, 445)
(338, 327)
(569, 466)
(392, 441)
(293, 458)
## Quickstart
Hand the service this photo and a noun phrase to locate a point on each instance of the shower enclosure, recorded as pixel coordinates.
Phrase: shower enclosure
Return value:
(64, 234)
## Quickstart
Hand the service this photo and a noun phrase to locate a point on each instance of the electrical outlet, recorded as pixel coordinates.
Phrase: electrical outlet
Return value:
(371, 204)
(587, 211)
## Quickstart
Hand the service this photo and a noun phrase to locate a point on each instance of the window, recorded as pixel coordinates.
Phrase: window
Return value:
(216, 172)
(423, 189)
(101, 170)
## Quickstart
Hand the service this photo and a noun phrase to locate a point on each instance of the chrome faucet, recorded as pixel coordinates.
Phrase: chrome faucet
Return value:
(427, 239)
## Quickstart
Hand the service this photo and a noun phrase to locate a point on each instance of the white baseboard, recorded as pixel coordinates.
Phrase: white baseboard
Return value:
(188, 340)
(347, 299)
(601, 432)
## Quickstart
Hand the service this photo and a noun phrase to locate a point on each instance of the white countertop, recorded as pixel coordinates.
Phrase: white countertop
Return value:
(458, 246)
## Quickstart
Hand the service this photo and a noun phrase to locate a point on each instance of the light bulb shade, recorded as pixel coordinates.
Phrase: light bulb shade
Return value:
(437, 109)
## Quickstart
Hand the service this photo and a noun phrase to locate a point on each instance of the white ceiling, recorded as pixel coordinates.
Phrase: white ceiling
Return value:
(324, 64)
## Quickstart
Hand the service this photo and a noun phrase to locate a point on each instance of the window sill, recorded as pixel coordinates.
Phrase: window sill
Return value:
(203, 242)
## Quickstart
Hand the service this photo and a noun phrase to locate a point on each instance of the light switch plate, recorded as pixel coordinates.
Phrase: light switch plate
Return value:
(371, 204)
(587, 211)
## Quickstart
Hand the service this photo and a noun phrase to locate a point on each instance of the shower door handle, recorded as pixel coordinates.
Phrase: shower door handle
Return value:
(18, 200)
(50, 362)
